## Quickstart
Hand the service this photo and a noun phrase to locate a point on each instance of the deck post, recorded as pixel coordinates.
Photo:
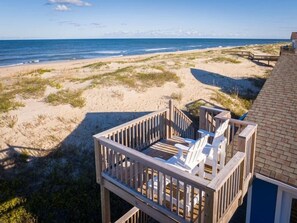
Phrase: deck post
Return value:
(171, 118)
(105, 204)
(202, 118)
(210, 211)
(253, 151)
(98, 160)
(242, 146)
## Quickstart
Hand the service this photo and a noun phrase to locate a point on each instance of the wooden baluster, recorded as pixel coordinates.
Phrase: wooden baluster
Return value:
(159, 188)
(117, 165)
(222, 201)
(136, 174)
(171, 194)
(126, 170)
(141, 178)
(153, 185)
(121, 169)
(192, 203)
(178, 197)
(185, 201)
(200, 206)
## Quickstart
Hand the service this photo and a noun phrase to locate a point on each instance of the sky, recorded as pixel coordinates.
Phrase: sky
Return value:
(63, 19)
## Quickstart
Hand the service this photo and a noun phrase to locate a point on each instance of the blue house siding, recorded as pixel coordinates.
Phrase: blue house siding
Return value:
(263, 201)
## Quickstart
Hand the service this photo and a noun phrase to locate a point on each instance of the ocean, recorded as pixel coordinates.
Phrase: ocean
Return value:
(17, 52)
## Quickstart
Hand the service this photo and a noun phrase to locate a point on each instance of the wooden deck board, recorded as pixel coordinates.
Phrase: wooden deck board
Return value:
(165, 148)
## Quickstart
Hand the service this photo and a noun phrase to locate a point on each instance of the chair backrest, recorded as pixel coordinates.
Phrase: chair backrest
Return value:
(195, 151)
(219, 133)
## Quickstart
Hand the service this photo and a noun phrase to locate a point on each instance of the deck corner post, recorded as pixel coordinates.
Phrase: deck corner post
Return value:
(242, 146)
(171, 118)
(210, 214)
(98, 160)
(105, 204)
(253, 151)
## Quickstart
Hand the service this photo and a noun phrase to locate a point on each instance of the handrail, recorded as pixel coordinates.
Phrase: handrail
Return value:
(134, 215)
(140, 133)
(182, 125)
(248, 131)
(253, 56)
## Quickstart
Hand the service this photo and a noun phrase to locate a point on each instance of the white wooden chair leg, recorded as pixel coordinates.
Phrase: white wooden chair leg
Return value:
(215, 163)
(201, 171)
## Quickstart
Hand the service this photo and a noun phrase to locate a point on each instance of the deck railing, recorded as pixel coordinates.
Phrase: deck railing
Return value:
(227, 187)
(134, 171)
(182, 125)
(121, 166)
(140, 133)
(252, 56)
(241, 137)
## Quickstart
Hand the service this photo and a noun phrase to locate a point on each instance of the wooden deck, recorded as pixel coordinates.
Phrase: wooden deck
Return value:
(125, 165)
(253, 57)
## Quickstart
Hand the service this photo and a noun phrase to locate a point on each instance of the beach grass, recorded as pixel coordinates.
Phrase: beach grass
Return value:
(194, 107)
(7, 103)
(221, 59)
(272, 49)
(176, 96)
(40, 71)
(25, 87)
(31, 87)
(233, 102)
(131, 78)
(96, 65)
(72, 97)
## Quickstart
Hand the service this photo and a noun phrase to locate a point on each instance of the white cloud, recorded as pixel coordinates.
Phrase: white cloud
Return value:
(62, 8)
(70, 2)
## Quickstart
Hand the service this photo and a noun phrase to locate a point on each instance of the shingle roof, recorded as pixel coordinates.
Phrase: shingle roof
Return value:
(275, 112)
(294, 35)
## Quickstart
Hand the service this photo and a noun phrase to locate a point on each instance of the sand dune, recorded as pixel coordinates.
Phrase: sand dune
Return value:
(110, 97)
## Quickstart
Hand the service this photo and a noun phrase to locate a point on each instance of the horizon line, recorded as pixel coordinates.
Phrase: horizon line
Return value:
(102, 38)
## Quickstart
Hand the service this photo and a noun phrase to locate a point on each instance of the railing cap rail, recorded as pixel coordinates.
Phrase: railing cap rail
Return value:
(248, 131)
(212, 109)
(128, 215)
(129, 123)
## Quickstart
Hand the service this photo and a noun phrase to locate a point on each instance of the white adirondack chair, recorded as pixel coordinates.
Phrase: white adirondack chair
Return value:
(194, 159)
(216, 151)
(192, 163)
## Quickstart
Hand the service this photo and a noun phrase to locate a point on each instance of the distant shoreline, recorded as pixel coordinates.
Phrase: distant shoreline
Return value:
(28, 52)
(115, 57)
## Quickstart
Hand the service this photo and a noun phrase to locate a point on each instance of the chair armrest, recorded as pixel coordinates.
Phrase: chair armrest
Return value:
(204, 132)
(181, 149)
(189, 141)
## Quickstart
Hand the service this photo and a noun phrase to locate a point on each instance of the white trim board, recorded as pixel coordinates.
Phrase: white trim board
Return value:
(283, 186)
(249, 205)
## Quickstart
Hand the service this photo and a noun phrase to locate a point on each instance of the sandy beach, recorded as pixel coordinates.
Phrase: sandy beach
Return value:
(112, 91)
